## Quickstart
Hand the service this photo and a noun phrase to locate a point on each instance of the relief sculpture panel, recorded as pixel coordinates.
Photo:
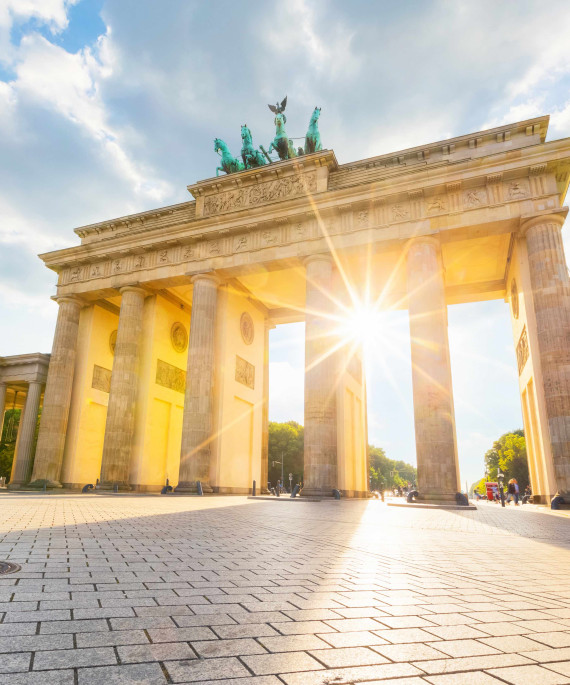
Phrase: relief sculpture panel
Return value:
(170, 376)
(101, 378)
(245, 372)
(272, 191)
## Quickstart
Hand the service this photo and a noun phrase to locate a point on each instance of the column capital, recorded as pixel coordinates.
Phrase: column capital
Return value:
(69, 299)
(134, 288)
(553, 217)
(323, 257)
(206, 276)
(432, 240)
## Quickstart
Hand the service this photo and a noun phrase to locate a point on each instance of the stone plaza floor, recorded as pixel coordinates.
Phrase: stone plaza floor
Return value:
(123, 589)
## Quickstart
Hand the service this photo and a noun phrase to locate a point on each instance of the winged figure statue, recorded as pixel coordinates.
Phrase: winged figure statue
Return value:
(278, 108)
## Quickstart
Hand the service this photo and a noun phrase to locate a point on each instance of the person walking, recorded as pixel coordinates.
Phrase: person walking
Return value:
(511, 491)
(517, 492)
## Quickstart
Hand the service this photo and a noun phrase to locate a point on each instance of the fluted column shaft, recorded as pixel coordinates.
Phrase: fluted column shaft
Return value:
(22, 466)
(551, 296)
(320, 468)
(2, 406)
(119, 428)
(57, 396)
(198, 419)
(436, 446)
(265, 412)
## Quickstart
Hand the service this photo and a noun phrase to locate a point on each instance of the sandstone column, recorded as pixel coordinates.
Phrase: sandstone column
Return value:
(265, 412)
(551, 296)
(198, 420)
(22, 466)
(320, 469)
(119, 428)
(436, 445)
(2, 406)
(57, 396)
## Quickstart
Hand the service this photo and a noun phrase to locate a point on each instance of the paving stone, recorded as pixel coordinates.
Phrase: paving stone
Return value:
(473, 678)
(219, 648)
(66, 677)
(191, 671)
(180, 634)
(563, 668)
(33, 643)
(529, 675)
(288, 662)
(292, 643)
(513, 643)
(460, 648)
(251, 630)
(400, 635)
(552, 639)
(348, 675)
(359, 638)
(547, 655)
(409, 652)
(72, 658)
(136, 674)
(12, 663)
(166, 651)
(474, 663)
(348, 656)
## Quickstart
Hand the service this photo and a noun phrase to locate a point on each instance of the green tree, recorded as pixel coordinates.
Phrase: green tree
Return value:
(509, 453)
(388, 473)
(286, 440)
(8, 441)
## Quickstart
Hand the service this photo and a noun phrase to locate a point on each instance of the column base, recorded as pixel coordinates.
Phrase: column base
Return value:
(40, 483)
(123, 487)
(191, 488)
(316, 492)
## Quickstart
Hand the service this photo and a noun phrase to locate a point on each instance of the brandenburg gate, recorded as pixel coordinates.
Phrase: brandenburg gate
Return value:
(159, 366)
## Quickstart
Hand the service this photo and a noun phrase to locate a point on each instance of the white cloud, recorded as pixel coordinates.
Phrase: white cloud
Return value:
(286, 389)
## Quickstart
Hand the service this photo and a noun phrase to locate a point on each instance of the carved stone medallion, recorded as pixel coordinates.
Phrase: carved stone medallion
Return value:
(179, 337)
(246, 328)
(514, 299)
(113, 342)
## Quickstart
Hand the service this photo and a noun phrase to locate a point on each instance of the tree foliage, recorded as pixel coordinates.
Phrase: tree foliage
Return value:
(8, 441)
(509, 453)
(381, 468)
(287, 441)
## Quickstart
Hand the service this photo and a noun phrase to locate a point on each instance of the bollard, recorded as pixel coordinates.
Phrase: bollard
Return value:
(87, 487)
(116, 487)
(295, 491)
(44, 489)
(253, 489)
(199, 488)
(336, 494)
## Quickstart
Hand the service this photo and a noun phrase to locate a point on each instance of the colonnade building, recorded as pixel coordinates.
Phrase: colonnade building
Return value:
(159, 367)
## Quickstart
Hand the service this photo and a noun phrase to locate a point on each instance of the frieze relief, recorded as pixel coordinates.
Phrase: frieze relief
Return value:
(262, 193)
(101, 379)
(170, 376)
(381, 212)
(522, 351)
(245, 372)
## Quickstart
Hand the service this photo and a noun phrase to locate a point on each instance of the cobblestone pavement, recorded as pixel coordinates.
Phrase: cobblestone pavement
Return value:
(124, 589)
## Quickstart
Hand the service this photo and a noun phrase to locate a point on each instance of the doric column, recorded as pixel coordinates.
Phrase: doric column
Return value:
(57, 396)
(22, 466)
(551, 297)
(265, 411)
(436, 445)
(198, 419)
(119, 428)
(320, 469)
(2, 406)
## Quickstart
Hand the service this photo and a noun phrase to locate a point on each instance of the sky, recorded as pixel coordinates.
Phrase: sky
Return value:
(110, 107)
